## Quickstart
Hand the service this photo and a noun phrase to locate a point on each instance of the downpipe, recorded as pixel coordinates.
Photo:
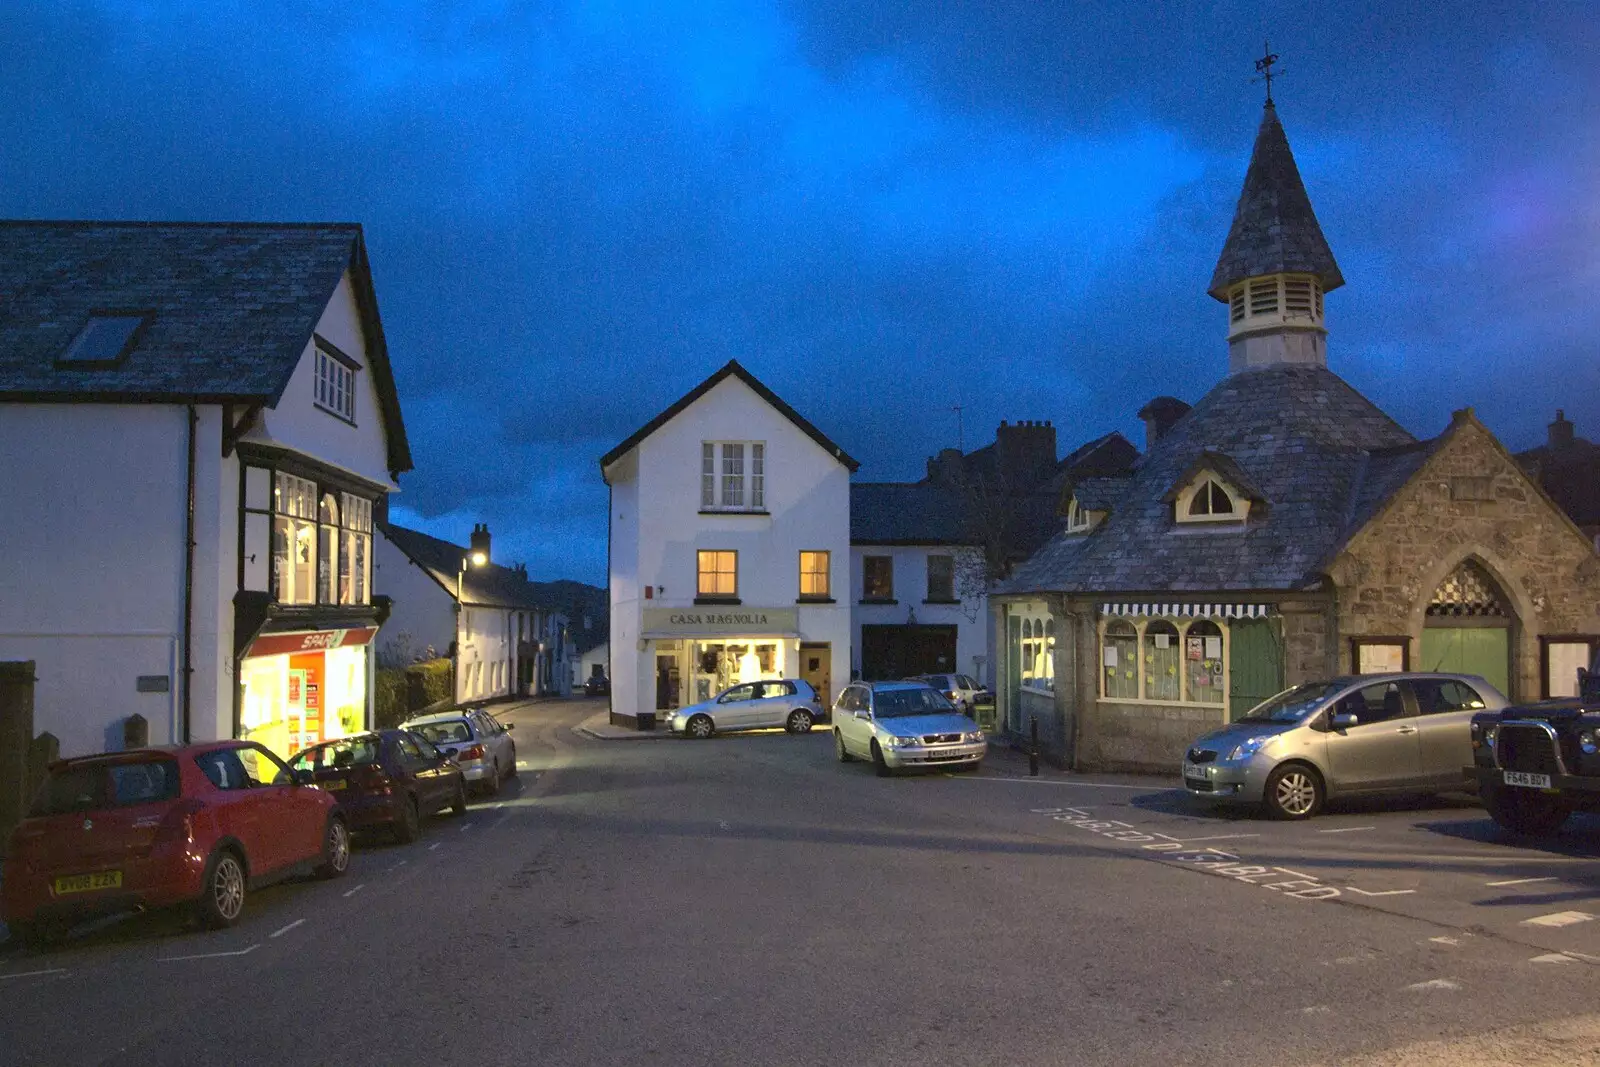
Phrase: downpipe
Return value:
(187, 680)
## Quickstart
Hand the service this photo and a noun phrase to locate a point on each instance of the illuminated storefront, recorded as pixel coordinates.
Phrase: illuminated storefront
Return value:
(697, 653)
(299, 689)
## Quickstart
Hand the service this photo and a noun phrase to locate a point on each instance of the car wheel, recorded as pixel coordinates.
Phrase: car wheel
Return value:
(1522, 811)
(408, 827)
(222, 891)
(1294, 791)
(839, 751)
(799, 721)
(459, 804)
(491, 785)
(700, 727)
(335, 850)
(878, 764)
(512, 771)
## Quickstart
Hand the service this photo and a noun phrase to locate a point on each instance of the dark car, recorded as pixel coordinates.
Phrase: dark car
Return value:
(1536, 764)
(386, 780)
(152, 827)
(597, 686)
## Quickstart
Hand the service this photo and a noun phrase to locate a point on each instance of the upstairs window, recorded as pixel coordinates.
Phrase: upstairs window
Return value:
(814, 568)
(1209, 499)
(877, 577)
(1078, 518)
(941, 578)
(718, 574)
(294, 539)
(355, 556)
(733, 476)
(335, 381)
(104, 340)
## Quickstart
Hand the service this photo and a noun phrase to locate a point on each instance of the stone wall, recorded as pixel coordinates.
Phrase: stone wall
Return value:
(1147, 737)
(1469, 500)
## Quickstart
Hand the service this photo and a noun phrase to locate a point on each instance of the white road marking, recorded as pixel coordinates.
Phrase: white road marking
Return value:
(1433, 984)
(1553, 957)
(1560, 918)
(1052, 781)
(500, 820)
(34, 974)
(433, 846)
(1192, 840)
(286, 929)
(1317, 1009)
(465, 827)
(1346, 829)
(210, 955)
(1297, 874)
(1445, 940)
(1522, 881)
(397, 866)
(1384, 893)
(357, 889)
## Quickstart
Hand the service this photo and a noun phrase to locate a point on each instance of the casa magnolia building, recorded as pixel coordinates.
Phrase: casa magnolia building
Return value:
(729, 549)
(1285, 529)
(197, 424)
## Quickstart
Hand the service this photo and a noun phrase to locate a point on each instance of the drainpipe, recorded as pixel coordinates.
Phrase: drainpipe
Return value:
(187, 680)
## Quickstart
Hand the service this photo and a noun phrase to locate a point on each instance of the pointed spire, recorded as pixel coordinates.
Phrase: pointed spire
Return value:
(1274, 229)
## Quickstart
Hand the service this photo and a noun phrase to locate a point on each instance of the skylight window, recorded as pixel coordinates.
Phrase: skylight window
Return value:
(104, 340)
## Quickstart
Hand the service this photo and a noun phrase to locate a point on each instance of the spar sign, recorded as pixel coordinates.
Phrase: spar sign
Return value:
(309, 641)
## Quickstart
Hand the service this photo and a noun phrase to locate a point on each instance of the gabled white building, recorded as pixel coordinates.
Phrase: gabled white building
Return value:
(503, 637)
(729, 550)
(196, 423)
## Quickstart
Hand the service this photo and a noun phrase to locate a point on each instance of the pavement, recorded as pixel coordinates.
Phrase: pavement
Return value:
(747, 899)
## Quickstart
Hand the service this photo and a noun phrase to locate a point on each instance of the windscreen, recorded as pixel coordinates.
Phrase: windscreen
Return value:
(95, 786)
(445, 733)
(337, 754)
(899, 703)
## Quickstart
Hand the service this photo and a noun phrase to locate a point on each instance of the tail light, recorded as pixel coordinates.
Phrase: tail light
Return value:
(470, 752)
(178, 823)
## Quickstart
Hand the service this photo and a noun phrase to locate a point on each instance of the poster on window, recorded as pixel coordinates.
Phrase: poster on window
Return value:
(1213, 648)
(1111, 656)
(1381, 659)
(1194, 647)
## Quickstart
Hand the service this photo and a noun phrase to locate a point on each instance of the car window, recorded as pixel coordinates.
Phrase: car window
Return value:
(346, 753)
(445, 733)
(224, 769)
(489, 724)
(850, 699)
(409, 752)
(429, 753)
(89, 787)
(1374, 703)
(494, 724)
(1438, 695)
(262, 767)
(966, 681)
(738, 692)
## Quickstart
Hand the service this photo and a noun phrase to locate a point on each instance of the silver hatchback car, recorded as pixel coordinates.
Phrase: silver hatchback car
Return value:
(1364, 734)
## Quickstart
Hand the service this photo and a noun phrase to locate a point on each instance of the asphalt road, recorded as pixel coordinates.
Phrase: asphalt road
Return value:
(749, 900)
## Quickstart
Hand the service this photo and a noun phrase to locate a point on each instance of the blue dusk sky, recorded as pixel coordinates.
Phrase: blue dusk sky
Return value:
(576, 211)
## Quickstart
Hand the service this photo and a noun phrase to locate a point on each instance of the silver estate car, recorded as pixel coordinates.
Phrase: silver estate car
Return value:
(904, 725)
(787, 702)
(479, 743)
(1376, 733)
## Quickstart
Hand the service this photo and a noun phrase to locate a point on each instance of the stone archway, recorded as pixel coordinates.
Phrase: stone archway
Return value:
(1467, 626)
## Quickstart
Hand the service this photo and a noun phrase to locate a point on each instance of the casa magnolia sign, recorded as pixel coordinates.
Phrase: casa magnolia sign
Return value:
(720, 622)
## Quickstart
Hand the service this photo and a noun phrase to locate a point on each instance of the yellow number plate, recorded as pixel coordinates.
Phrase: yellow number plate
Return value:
(83, 883)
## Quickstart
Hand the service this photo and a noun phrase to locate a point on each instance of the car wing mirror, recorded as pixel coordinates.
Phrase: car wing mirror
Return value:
(1343, 720)
(509, 727)
(301, 777)
(864, 714)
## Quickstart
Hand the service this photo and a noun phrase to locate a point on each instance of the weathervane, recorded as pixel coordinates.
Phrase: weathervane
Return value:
(1264, 68)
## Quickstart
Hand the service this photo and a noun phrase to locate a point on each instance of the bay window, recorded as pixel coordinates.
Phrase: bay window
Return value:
(355, 560)
(1164, 661)
(294, 539)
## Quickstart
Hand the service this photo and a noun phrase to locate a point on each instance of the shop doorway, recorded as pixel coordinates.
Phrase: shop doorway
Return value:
(669, 682)
(816, 667)
(1255, 664)
(1467, 629)
(889, 653)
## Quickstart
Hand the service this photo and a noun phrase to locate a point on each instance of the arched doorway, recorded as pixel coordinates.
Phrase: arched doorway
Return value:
(1467, 627)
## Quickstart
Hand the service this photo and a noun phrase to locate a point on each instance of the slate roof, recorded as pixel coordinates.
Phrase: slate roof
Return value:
(730, 369)
(1097, 494)
(1274, 228)
(233, 306)
(909, 513)
(490, 586)
(1570, 473)
(1320, 453)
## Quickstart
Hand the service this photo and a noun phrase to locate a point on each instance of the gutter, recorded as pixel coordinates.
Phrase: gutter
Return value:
(187, 680)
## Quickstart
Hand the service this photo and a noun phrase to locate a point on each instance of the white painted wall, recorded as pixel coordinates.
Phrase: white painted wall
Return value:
(422, 609)
(583, 666)
(971, 617)
(807, 496)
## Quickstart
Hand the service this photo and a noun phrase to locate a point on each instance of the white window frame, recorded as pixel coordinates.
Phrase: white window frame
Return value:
(1079, 518)
(733, 476)
(335, 385)
(1036, 651)
(1184, 624)
(1241, 503)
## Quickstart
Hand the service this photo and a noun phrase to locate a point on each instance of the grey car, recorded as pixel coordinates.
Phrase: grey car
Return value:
(1377, 733)
(787, 702)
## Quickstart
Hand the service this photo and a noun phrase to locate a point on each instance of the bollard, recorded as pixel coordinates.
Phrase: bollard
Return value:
(1033, 746)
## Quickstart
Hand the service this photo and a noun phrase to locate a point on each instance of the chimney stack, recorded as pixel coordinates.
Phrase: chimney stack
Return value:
(1561, 434)
(1025, 451)
(480, 540)
(1159, 416)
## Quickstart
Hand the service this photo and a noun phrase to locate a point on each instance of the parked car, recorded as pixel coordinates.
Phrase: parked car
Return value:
(201, 825)
(597, 685)
(904, 725)
(479, 743)
(787, 702)
(1536, 764)
(960, 689)
(386, 780)
(1381, 733)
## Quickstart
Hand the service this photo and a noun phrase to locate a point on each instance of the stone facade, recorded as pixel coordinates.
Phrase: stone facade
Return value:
(1470, 500)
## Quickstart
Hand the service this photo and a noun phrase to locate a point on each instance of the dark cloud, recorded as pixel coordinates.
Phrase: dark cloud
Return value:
(576, 211)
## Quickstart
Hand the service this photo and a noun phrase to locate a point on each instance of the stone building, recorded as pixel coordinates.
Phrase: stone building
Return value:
(1282, 530)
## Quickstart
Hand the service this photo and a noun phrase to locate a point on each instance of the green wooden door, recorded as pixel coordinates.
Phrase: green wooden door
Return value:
(1255, 664)
(1484, 651)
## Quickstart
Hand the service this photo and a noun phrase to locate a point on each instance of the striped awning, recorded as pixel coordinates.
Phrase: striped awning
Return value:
(1209, 611)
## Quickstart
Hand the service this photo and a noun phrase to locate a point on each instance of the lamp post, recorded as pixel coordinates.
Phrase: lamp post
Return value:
(472, 559)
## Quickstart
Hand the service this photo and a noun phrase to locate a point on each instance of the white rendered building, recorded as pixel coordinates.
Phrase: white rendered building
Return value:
(729, 550)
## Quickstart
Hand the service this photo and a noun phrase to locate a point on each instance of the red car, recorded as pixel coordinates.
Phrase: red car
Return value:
(386, 780)
(198, 824)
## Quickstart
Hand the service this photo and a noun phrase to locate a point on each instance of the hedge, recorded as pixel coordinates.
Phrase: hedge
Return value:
(403, 691)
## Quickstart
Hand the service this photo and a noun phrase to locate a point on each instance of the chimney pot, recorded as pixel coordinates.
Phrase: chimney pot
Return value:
(1561, 431)
(480, 539)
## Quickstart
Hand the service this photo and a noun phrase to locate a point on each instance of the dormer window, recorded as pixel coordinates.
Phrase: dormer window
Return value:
(1081, 519)
(335, 381)
(1210, 500)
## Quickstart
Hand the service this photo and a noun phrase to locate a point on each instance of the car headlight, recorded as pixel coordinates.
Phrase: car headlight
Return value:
(1250, 746)
(1587, 743)
(973, 738)
(904, 742)
(1490, 734)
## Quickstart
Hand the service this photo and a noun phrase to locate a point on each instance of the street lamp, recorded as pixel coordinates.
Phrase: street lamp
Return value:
(468, 559)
